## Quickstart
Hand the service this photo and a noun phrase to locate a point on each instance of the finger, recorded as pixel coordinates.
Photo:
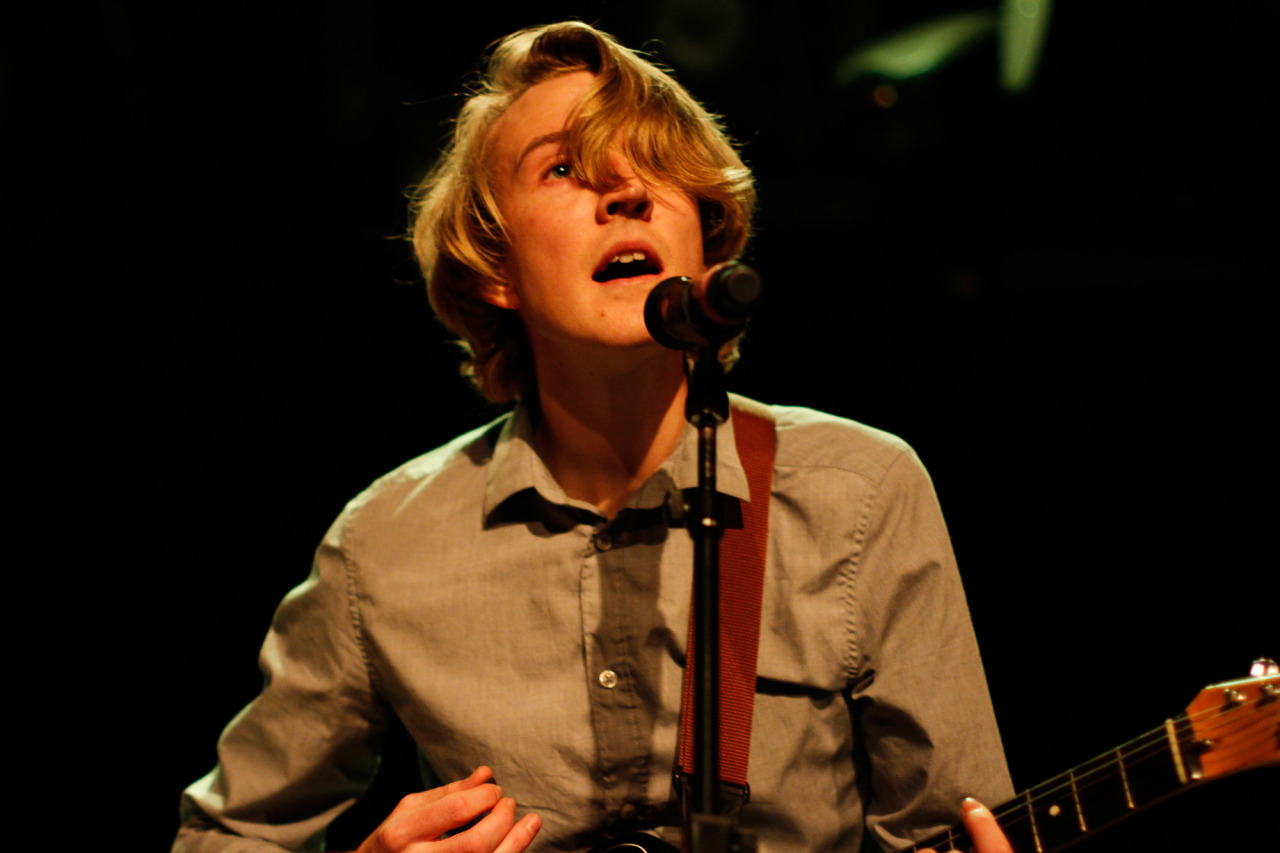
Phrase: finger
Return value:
(481, 774)
(489, 833)
(426, 820)
(521, 835)
(983, 829)
(478, 777)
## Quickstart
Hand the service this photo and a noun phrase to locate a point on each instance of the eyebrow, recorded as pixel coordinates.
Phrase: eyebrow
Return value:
(558, 137)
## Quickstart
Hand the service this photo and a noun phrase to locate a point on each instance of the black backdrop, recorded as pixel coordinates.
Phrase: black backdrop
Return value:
(1061, 299)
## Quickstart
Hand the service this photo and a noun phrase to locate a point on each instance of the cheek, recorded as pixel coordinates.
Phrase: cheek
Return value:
(531, 226)
(523, 238)
(544, 241)
(687, 221)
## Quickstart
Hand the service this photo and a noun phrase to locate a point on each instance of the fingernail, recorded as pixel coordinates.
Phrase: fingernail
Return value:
(970, 805)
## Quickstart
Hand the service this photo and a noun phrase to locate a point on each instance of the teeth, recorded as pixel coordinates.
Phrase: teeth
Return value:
(628, 257)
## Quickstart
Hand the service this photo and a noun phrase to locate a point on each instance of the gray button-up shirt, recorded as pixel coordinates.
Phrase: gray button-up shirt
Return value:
(508, 624)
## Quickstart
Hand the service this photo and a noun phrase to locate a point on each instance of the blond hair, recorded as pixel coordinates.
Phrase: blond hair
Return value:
(668, 137)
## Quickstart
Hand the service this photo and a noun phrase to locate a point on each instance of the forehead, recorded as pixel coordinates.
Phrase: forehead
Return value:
(539, 116)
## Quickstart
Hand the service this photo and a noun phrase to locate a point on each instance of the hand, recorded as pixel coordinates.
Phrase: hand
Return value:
(983, 829)
(418, 822)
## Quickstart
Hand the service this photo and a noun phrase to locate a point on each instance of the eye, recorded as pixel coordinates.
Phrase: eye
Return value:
(560, 170)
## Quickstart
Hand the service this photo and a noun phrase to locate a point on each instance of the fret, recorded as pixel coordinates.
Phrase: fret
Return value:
(1012, 818)
(1124, 779)
(1031, 818)
(1172, 734)
(1075, 798)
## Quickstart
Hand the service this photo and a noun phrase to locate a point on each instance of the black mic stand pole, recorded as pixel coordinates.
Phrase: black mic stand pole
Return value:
(706, 407)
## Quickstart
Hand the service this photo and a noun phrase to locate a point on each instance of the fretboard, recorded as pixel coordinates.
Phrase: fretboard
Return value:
(1112, 786)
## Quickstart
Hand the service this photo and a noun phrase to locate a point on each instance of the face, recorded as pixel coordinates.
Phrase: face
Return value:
(580, 261)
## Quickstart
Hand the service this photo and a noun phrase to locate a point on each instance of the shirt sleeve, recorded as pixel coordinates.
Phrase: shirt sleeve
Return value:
(920, 698)
(308, 746)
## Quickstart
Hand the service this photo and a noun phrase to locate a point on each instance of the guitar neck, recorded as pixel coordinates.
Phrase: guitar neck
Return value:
(1112, 786)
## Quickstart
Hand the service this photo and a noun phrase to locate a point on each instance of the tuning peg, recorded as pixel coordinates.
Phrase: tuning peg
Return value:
(1263, 667)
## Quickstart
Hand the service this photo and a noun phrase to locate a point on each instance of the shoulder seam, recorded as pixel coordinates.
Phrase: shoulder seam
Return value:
(353, 603)
(850, 576)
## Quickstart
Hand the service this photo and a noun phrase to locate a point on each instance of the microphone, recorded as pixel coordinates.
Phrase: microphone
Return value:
(680, 315)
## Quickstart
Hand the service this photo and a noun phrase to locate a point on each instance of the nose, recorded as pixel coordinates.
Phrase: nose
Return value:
(629, 199)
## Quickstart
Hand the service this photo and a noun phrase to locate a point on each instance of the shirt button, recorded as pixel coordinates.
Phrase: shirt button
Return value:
(603, 541)
(608, 679)
(627, 812)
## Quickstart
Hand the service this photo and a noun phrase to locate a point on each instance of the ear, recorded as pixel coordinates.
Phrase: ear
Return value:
(500, 293)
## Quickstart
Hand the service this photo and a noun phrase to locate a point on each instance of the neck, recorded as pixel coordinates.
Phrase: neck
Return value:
(604, 430)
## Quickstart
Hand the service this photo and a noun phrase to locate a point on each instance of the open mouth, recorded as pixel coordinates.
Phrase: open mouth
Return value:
(627, 265)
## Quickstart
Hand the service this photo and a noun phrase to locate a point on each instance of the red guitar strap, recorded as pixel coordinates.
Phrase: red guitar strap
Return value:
(742, 558)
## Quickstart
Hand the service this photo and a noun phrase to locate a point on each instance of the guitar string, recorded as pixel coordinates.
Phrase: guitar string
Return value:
(1105, 767)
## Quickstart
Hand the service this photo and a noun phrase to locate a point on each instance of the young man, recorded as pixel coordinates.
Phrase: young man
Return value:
(517, 598)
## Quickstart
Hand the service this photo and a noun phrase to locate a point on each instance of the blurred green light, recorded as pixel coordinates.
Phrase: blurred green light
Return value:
(916, 50)
(1023, 25)
(1020, 27)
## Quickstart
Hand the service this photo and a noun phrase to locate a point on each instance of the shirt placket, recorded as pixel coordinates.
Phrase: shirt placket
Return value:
(623, 732)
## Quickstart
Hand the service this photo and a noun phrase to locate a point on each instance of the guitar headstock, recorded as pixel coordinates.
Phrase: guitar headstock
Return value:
(1235, 725)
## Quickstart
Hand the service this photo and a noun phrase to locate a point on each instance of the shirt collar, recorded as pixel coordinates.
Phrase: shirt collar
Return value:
(517, 467)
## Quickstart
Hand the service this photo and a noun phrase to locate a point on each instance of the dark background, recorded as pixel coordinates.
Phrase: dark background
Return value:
(1062, 299)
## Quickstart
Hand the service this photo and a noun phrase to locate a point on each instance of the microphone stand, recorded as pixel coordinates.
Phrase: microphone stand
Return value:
(706, 407)
(674, 319)
(706, 828)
